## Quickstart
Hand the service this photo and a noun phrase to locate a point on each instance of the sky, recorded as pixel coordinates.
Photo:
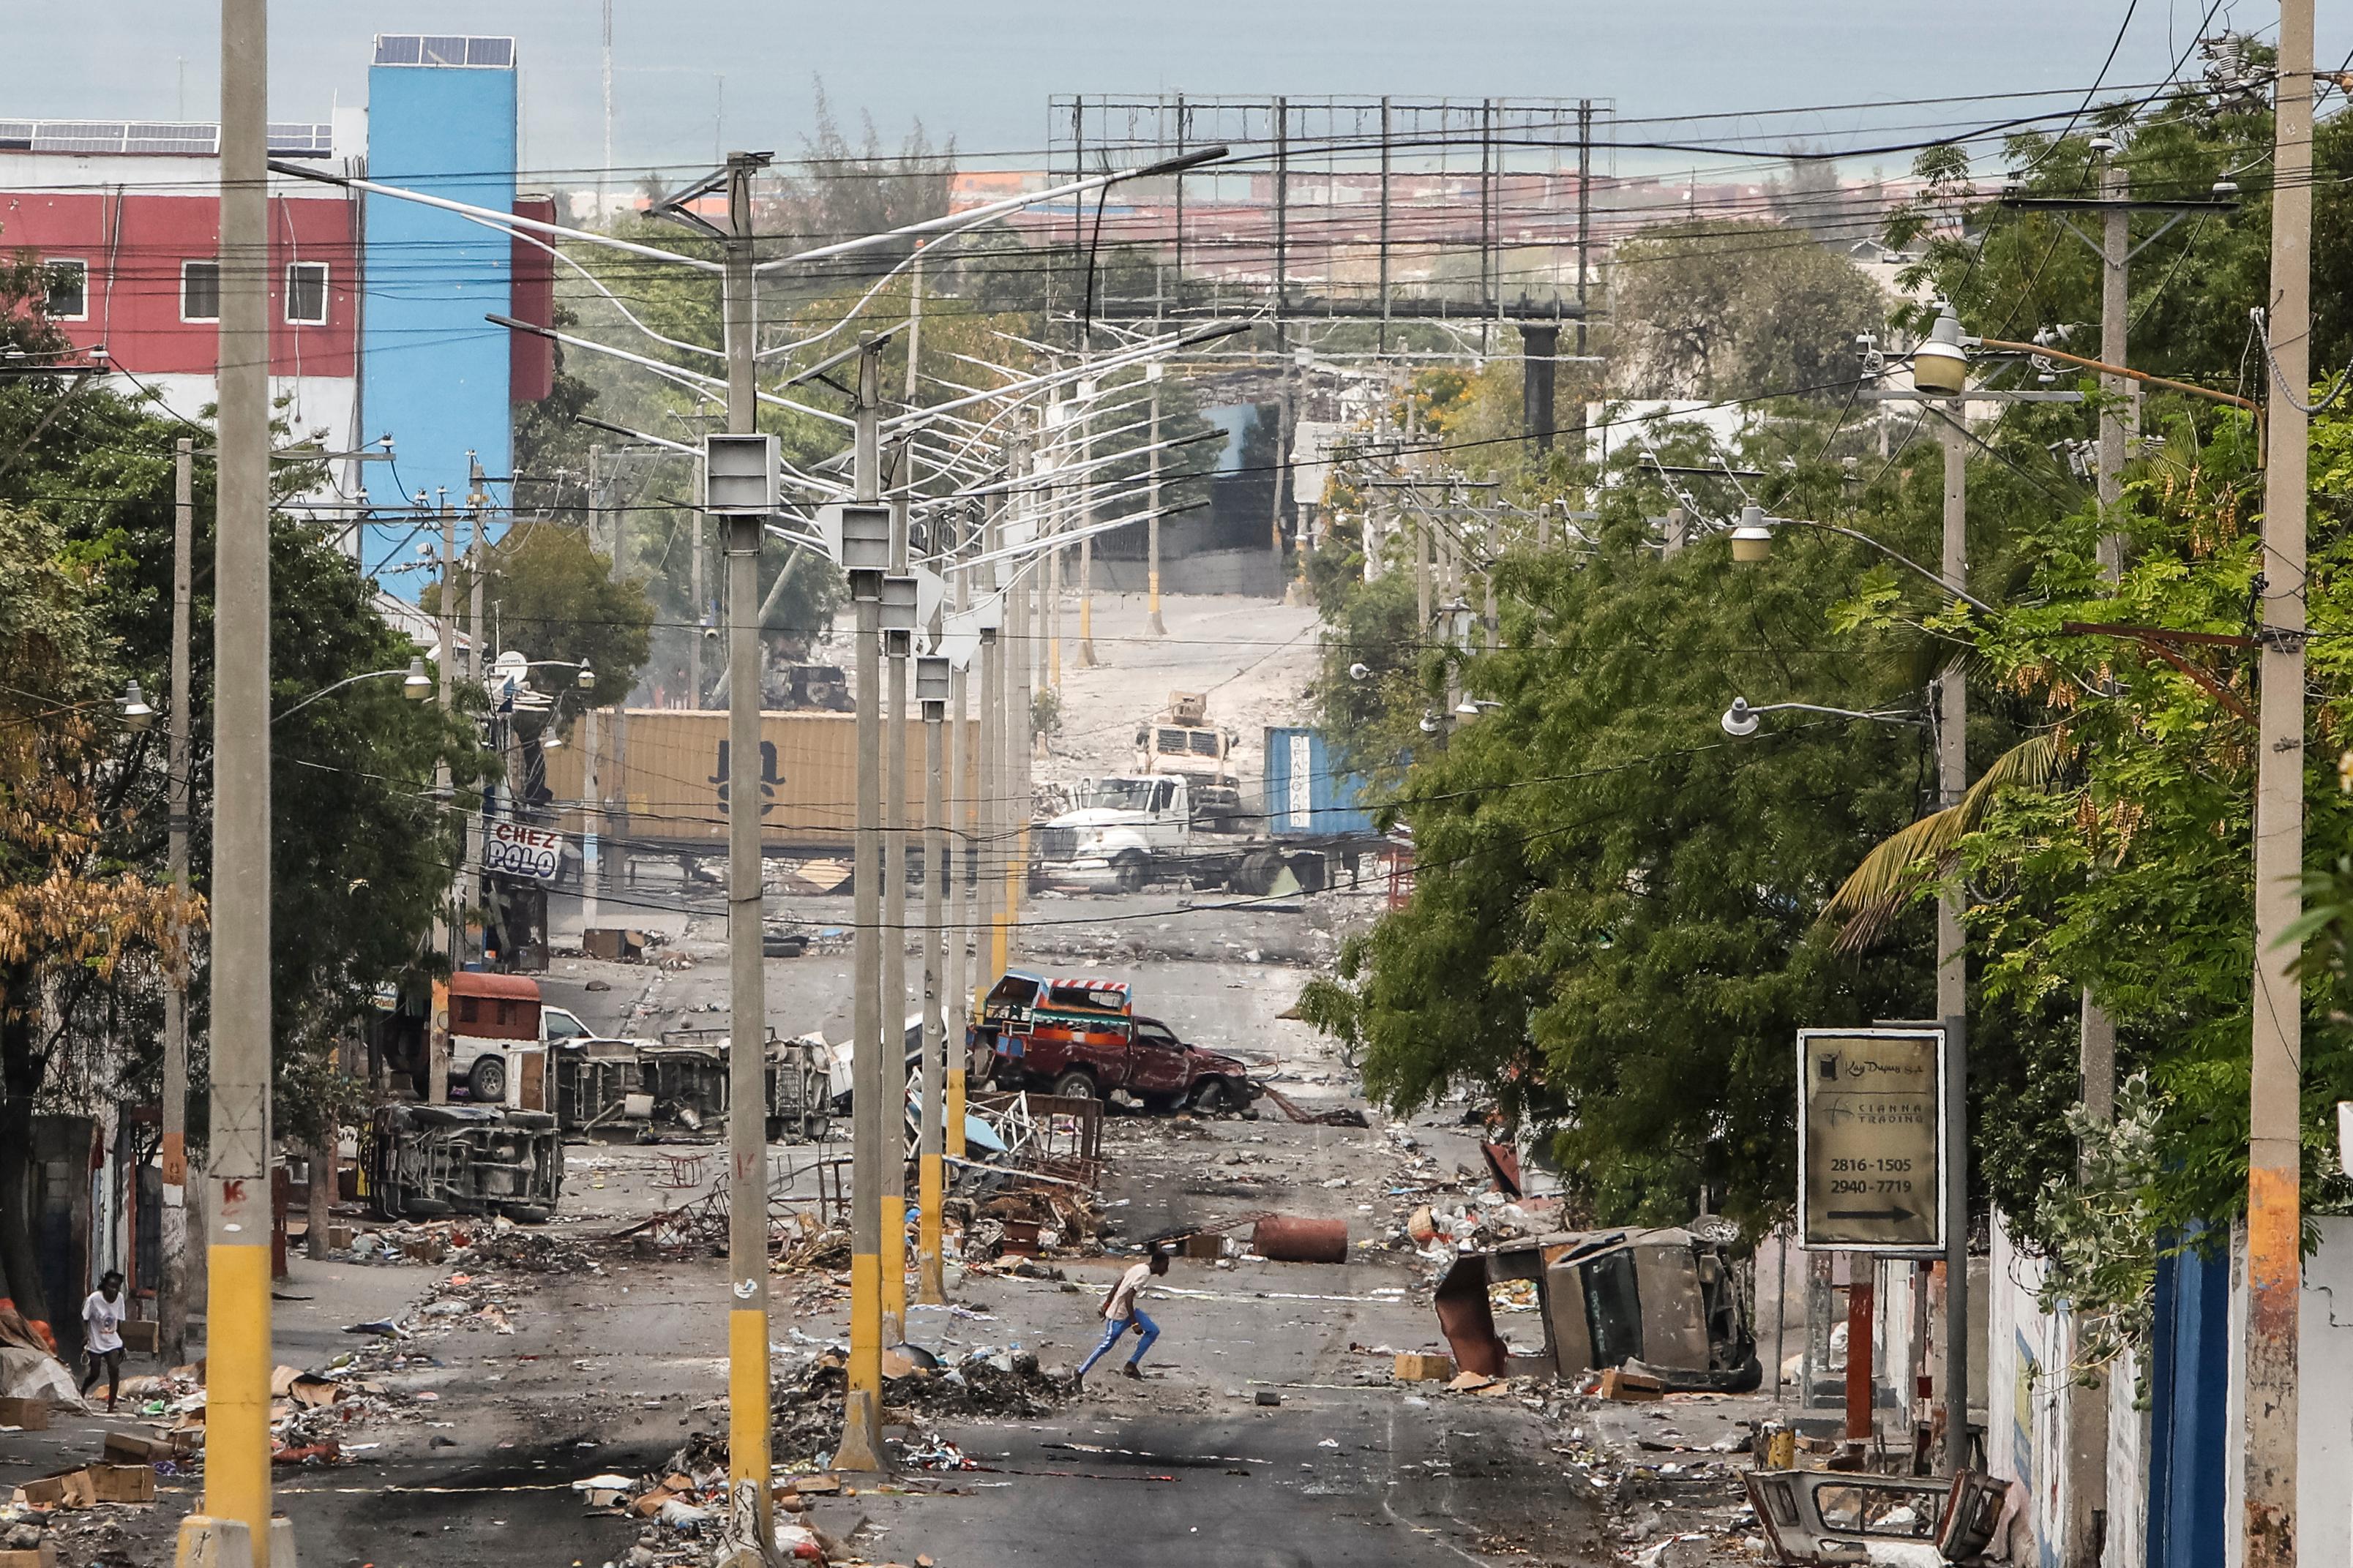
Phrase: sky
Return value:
(695, 77)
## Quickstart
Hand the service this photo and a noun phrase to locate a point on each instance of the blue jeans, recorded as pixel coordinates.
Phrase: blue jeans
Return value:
(1144, 1326)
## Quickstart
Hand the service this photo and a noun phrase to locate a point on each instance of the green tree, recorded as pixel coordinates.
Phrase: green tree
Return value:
(1721, 309)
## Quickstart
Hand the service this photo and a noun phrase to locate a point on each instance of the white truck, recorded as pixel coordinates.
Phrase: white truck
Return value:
(1131, 831)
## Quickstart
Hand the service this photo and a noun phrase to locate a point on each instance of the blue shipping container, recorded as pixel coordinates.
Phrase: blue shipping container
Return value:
(1304, 795)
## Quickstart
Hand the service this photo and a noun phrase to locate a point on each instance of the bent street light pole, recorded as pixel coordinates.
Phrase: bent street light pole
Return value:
(238, 1364)
(2274, 1175)
(748, 1515)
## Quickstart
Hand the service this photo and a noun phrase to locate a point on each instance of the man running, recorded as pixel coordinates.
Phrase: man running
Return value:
(1120, 1313)
(101, 1317)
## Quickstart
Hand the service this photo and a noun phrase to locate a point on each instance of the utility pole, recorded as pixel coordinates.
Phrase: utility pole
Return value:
(961, 889)
(436, 1046)
(931, 691)
(1584, 212)
(1952, 962)
(861, 1431)
(898, 644)
(1084, 505)
(605, 174)
(173, 1304)
(702, 620)
(1152, 375)
(238, 1339)
(991, 770)
(748, 1524)
(2275, 1173)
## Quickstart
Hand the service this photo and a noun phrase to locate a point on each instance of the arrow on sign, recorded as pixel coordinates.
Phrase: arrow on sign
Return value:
(1888, 1214)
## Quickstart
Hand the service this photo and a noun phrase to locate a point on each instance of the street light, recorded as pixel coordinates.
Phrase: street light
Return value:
(136, 714)
(415, 685)
(1752, 541)
(1739, 721)
(1940, 365)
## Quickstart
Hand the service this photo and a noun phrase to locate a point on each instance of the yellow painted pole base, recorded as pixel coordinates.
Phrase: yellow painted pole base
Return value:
(237, 1393)
(208, 1542)
(866, 1326)
(749, 1508)
(931, 1282)
(860, 1448)
(894, 1269)
(954, 1128)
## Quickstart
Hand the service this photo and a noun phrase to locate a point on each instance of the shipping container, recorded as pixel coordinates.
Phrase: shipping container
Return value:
(1305, 794)
(661, 774)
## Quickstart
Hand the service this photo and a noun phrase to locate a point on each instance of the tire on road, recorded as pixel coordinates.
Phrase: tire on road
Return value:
(1213, 1095)
(486, 1083)
(1077, 1085)
(1133, 869)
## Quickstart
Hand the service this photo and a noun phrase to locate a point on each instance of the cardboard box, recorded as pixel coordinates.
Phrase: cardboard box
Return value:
(32, 1414)
(1412, 1367)
(141, 1335)
(136, 1448)
(72, 1490)
(1629, 1386)
(45, 1555)
(122, 1483)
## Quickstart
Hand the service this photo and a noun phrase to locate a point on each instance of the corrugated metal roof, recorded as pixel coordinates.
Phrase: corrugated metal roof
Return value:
(155, 138)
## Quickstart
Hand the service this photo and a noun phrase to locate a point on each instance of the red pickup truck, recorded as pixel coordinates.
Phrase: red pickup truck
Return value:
(1082, 1037)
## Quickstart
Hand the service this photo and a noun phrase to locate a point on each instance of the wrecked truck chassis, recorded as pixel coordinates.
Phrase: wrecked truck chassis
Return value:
(428, 1160)
(1666, 1301)
(1821, 1517)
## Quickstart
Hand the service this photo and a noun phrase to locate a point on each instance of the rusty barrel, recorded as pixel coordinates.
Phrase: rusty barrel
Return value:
(1286, 1240)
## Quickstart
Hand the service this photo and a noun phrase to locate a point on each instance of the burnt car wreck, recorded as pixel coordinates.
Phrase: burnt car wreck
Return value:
(428, 1160)
(1663, 1302)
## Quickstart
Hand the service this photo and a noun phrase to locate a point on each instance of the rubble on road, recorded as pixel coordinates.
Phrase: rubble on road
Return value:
(474, 1240)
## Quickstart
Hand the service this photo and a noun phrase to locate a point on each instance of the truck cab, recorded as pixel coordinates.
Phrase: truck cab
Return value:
(1122, 827)
(502, 1038)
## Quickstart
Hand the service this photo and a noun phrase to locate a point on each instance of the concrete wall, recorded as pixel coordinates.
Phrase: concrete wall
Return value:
(435, 376)
(2324, 1513)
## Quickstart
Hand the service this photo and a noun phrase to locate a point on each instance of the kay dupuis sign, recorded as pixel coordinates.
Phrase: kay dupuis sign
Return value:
(1870, 1140)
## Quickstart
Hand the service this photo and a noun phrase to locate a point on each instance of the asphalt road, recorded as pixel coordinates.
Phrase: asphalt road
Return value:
(612, 1371)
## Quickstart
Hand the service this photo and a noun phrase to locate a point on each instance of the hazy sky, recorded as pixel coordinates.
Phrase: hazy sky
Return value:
(693, 74)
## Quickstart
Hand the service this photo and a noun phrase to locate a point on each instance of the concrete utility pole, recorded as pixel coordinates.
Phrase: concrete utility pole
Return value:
(605, 174)
(2275, 1174)
(1084, 505)
(437, 1091)
(931, 691)
(237, 1338)
(1584, 212)
(960, 887)
(989, 771)
(861, 1433)
(172, 1306)
(1952, 962)
(749, 1514)
(695, 627)
(1152, 375)
(898, 644)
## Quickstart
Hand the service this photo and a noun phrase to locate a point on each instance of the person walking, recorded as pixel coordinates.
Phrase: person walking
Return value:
(1121, 1313)
(101, 1320)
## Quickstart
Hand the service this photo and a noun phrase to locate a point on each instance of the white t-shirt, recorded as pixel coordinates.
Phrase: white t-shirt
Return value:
(101, 1316)
(1122, 1298)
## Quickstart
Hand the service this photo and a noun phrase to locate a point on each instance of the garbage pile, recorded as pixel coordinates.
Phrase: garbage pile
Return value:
(1026, 1219)
(918, 1389)
(684, 1505)
(475, 1240)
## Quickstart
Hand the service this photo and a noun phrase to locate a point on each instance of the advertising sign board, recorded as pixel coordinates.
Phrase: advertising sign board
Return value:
(1871, 1127)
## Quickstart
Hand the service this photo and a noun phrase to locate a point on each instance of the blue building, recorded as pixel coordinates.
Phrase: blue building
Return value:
(435, 376)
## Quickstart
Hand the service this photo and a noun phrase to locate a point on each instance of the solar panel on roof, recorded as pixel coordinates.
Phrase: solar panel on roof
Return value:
(443, 51)
(396, 48)
(15, 136)
(498, 52)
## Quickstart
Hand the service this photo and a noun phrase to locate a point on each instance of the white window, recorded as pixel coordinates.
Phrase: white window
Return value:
(306, 293)
(68, 296)
(200, 291)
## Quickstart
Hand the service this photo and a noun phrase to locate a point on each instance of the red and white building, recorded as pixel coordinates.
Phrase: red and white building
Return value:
(127, 214)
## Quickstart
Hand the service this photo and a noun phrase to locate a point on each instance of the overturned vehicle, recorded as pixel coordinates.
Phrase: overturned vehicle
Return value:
(1823, 1517)
(1663, 1302)
(427, 1160)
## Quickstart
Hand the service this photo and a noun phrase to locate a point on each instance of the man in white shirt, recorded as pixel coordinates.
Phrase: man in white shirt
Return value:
(1122, 1313)
(101, 1318)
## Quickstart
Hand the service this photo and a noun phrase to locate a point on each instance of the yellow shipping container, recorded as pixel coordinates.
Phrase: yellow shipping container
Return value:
(661, 774)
